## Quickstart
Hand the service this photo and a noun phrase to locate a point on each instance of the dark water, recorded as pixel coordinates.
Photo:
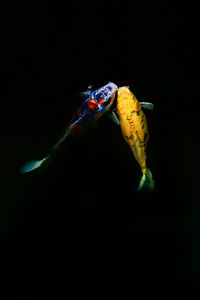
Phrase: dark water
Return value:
(78, 227)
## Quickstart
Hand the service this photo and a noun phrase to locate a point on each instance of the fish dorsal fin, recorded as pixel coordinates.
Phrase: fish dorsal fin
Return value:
(147, 105)
(87, 93)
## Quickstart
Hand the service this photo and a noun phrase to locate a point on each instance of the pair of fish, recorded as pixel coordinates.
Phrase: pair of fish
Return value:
(131, 118)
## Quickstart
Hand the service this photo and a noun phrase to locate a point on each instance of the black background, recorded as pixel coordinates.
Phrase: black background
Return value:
(78, 228)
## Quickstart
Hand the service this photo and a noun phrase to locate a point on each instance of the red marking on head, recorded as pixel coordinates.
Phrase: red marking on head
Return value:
(101, 101)
(92, 104)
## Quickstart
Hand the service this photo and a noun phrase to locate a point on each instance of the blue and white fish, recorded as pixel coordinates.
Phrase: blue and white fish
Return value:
(97, 103)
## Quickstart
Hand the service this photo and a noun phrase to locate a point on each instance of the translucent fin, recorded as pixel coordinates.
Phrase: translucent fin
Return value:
(32, 165)
(87, 93)
(146, 182)
(147, 105)
(112, 116)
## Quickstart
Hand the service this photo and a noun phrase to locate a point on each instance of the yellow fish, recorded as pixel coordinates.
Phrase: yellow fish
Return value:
(135, 131)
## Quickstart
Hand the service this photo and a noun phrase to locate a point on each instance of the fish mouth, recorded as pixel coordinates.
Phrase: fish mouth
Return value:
(112, 86)
(126, 88)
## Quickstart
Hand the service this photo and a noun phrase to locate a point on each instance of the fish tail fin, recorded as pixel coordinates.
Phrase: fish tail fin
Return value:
(32, 165)
(146, 182)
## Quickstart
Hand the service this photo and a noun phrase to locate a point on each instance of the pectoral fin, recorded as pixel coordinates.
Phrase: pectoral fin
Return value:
(86, 93)
(112, 116)
(147, 105)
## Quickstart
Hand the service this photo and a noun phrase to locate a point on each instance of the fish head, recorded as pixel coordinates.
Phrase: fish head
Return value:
(125, 97)
(124, 90)
(105, 96)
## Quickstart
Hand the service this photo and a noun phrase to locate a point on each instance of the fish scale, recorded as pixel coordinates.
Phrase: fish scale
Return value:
(134, 128)
(132, 120)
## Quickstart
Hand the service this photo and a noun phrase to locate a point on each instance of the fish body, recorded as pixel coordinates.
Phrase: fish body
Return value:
(97, 103)
(135, 130)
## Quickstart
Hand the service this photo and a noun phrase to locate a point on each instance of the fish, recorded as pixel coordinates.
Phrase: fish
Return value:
(134, 128)
(98, 103)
